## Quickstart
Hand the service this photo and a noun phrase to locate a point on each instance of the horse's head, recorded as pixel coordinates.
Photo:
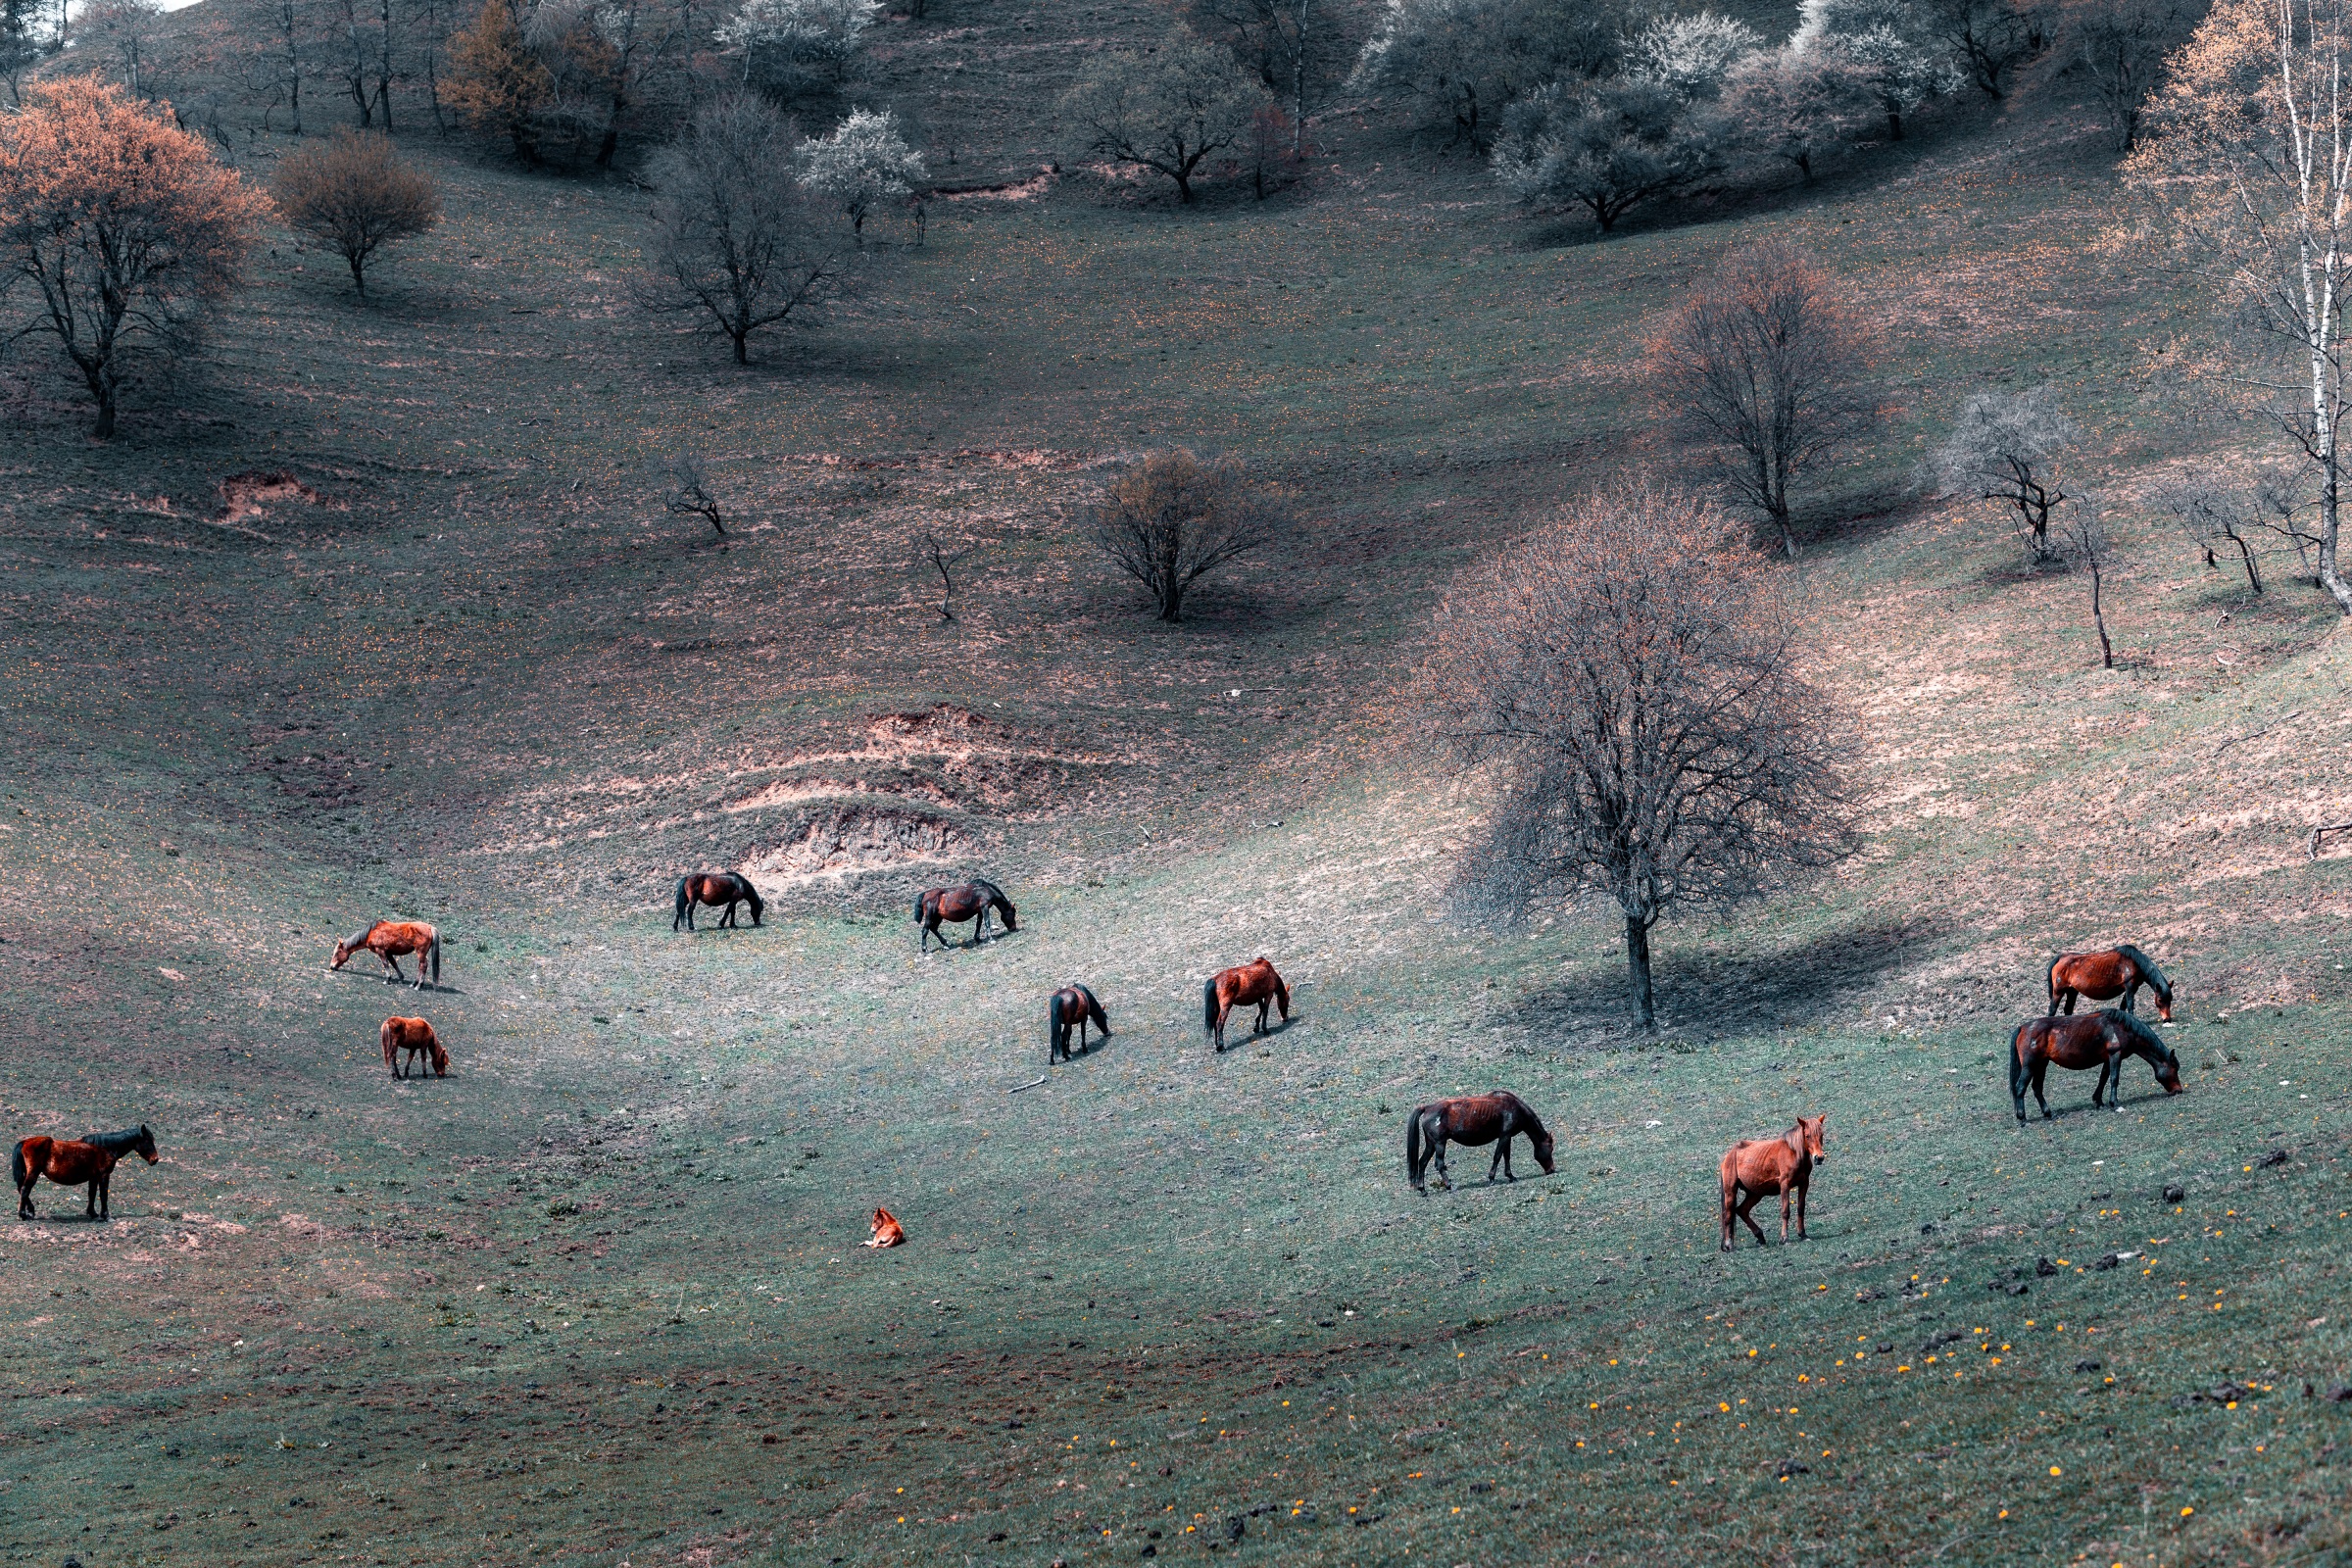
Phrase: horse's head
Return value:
(2168, 1071)
(343, 952)
(2150, 1044)
(1809, 1129)
(2164, 1006)
(145, 1147)
(1005, 907)
(1542, 1145)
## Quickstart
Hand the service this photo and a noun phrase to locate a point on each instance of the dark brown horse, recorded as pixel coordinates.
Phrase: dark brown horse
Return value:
(1474, 1122)
(2106, 975)
(2101, 1040)
(715, 887)
(388, 940)
(69, 1163)
(1243, 984)
(970, 902)
(1072, 1005)
(416, 1036)
(1755, 1168)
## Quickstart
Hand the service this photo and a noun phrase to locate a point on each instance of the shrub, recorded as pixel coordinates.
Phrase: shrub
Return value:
(1173, 519)
(355, 194)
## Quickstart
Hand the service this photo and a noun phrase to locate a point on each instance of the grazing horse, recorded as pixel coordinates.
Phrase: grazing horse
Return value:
(1479, 1119)
(388, 940)
(1759, 1167)
(970, 902)
(416, 1036)
(1240, 987)
(888, 1232)
(70, 1165)
(715, 887)
(2101, 1040)
(1072, 1005)
(2118, 971)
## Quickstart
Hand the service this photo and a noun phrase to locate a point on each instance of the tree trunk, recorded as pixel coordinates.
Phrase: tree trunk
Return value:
(2330, 509)
(742, 355)
(1894, 125)
(2253, 578)
(359, 275)
(2099, 620)
(1636, 960)
(102, 387)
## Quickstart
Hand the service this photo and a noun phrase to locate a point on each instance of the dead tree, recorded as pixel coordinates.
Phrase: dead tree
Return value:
(1174, 518)
(2084, 536)
(2005, 448)
(686, 491)
(1632, 696)
(935, 553)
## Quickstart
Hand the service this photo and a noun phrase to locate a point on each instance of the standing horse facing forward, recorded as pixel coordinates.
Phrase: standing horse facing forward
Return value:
(69, 1163)
(2101, 1040)
(970, 902)
(1755, 1168)
(388, 940)
(1242, 986)
(1072, 1005)
(1479, 1119)
(416, 1036)
(729, 888)
(2103, 977)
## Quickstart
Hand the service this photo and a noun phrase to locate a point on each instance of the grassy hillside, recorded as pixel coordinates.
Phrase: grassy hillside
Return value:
(597, 1298)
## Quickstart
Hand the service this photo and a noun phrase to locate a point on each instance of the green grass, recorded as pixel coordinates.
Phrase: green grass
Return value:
(493, 687)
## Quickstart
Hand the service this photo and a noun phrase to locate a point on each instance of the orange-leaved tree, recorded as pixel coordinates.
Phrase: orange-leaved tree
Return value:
(356, 194)
(496, 83)
(123, 225)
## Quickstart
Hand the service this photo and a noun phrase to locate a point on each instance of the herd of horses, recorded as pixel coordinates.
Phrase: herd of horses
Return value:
(1750, 1170)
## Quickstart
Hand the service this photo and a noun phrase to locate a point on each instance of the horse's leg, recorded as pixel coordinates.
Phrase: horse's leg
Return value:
(2069, 1007)
(1748, 1203)
(2042, 1067)
(1729, 1195)
(392, 962)
(1437, 1144)
(1495, 1166)
(106, 1195)
(1801, 1188)
(1787, 1191)
(1261, 1016)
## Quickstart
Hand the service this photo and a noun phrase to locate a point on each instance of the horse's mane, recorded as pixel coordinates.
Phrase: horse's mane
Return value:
(2147, 966)
(995, 894)
(117, 1143)
(361, 937)
(2141, 1031)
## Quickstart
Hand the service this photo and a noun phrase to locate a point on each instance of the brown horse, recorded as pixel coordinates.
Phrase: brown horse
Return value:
(970, 902)
(1477, 1120)
(715, 887)
(2106, 975)
(416, 1036)
(71, 1164)
(388, 940)
(1240, 987)
(888, 1232)
(1072, 1005)
(2101, 1040)
(1759, 1167)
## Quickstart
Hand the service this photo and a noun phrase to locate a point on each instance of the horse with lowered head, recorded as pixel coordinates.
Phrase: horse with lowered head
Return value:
(388, 940)
(1073, 1003)
(2101, 1039)
(71, 1162)
(1473, 1121)
(970, 902)
(729, 888)
(416, 1036)
(1243, 984)
(1755, 1168)
(2103, 977)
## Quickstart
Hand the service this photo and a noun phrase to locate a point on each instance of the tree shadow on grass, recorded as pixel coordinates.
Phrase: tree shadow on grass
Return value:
(1715, 990)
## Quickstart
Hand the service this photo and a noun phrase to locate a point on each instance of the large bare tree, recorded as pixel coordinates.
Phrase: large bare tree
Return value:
(1174, 518)
(2247, 162)
(1764, 366)
(1633, 695)
(738, 247)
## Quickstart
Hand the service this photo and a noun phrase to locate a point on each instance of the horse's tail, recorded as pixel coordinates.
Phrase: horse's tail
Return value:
(433, 949)
(921, 901)
(752, 896)
(2017, 1060)
(2050, 977)
(677, 908)
(15, 1164)
(1054, 1028)
(1208, 1005)
(1412, 1141)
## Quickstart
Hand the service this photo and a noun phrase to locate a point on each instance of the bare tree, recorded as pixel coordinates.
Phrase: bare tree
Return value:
(1172, 519)
(2248, 176)
(2215, 517)
(1296, 47)
(1633, 699)
(1763, 365)
(123, 224)
(130, 32)
(1167, 110)
(738, 246)
(2083, 538)
(357, 195)
(2121, 44)
(2006, 446)
(686, 490)
(1989, 38)
(940, 556)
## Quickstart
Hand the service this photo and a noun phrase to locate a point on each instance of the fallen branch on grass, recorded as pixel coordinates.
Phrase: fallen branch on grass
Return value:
(1041, 1080)
(2325, 828)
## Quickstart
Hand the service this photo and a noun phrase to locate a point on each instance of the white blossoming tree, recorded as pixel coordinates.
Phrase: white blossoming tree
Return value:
(794, 48)
(864, 160)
